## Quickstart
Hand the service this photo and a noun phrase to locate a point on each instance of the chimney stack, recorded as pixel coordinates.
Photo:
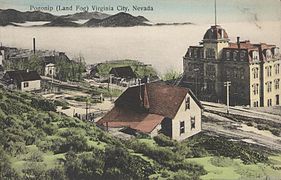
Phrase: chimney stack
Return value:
(238, 42)
(34, 45)
(238, 45)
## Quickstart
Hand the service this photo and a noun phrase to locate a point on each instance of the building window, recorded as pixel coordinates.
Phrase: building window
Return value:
(255, 89)
(243, 55)
(268, 54)
(195, 51)
(277, 83)
(227, 55)
(268, 70)
(201, 53)
(277, 71)
(255, 72)
(234, 55)
(256, 104)
(269, 86)
(25, 84)
(210, 53)
(182, 127)
(187, 103)
(269, 102)
(255, 55)
(192, 121)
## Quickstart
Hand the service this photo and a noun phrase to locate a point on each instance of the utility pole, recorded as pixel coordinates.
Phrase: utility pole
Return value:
(227, 84)
(87, 108)
(109, 83)
(215, 12)
(196, 80)
(52, 81)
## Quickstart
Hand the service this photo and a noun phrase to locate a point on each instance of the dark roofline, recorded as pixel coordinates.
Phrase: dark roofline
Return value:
(195, 99)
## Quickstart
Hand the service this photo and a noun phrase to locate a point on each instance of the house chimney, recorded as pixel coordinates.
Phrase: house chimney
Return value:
(34, 45)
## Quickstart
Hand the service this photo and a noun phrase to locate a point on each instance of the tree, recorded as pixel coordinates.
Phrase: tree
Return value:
(171, 74)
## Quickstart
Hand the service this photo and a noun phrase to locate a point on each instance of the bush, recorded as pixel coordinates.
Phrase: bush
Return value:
(163, 140)
(43, 104)
(222, 161)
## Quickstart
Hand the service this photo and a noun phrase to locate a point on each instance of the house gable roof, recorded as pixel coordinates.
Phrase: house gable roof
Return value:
(22, 75)
(155, 98)
(144, 107)
(123, 72)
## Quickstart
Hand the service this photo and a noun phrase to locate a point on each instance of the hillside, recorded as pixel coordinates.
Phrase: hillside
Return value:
(9, 16)
(139, 68)
(61, 22)
(36, 142)
(85, 16)
(118, 20)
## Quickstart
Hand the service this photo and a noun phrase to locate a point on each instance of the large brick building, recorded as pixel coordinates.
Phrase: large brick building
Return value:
(253, 69)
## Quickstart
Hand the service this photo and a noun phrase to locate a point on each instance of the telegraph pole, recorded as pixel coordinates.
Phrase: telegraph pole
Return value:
(196, 80)
(227, 84)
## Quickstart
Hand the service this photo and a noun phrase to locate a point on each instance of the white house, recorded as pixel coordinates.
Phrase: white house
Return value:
(156, 108)
(50, 70)
(23, 80)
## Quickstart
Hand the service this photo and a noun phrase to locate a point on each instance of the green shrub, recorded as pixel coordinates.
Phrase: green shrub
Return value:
(222, 161)
(163, 140)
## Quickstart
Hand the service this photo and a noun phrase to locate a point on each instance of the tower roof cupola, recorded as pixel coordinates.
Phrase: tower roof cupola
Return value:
(215, 33)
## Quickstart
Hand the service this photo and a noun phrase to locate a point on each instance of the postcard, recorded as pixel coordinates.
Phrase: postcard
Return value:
(140, 89)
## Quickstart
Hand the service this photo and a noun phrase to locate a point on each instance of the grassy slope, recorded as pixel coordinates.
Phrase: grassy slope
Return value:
(137, 66)
(226, 168)
(229, 169)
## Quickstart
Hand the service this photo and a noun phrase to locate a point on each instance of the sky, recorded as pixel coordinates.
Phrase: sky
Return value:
(196, 11)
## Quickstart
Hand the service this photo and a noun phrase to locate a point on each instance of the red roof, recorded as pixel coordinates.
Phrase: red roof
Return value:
(120, 117)
(144, 107)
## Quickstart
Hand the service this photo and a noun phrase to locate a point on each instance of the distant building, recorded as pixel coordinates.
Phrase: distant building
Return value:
(124, 76)
(2, 57)
(50, 70)
(2, 71)
(253, 69)
(156, 108)
(23, 80)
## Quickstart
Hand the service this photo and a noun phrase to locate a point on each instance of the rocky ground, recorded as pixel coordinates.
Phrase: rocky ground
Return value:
(249, 125)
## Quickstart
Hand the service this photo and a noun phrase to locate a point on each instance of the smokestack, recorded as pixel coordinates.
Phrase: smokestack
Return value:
(238, 45)
(34, 45)
(238, 42)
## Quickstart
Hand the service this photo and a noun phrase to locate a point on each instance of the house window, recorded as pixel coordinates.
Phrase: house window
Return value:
(182, 127)
(187, 103)
(25, 84)
(192, 121)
